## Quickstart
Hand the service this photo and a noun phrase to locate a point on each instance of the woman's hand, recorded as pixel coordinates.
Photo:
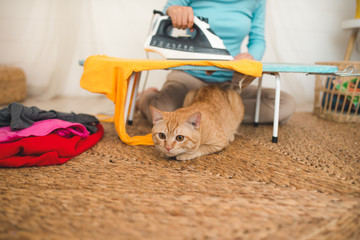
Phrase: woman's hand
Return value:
(237, 57)
(181, 17)
(244, 56)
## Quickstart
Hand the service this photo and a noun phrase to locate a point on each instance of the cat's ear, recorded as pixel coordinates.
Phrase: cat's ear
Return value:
(156, 114)
(194, 120)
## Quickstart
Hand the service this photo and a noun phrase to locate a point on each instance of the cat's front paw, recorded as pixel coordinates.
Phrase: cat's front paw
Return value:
(185, 156)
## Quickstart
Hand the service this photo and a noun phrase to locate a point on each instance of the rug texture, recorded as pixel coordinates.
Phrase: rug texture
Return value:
(307, 186)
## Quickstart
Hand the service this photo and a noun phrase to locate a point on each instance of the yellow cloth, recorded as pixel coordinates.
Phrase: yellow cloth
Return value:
(109, 76)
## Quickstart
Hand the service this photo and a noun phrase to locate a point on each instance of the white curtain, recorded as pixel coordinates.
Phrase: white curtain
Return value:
(44, 38)
(47, 38)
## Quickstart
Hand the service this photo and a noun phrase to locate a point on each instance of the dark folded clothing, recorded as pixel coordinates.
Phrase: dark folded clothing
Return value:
(18, 116)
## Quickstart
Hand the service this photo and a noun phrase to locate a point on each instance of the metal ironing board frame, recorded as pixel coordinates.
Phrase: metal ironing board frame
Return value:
(268, 68)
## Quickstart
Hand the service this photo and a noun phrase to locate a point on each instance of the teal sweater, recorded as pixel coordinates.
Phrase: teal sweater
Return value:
(232, 21)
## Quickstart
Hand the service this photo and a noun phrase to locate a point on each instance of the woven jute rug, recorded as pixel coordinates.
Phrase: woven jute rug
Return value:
(307, 186)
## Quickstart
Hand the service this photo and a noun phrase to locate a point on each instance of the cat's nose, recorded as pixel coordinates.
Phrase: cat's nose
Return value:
(168, 148)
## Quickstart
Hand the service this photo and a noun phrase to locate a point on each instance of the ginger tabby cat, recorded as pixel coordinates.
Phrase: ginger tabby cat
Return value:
(206, 123)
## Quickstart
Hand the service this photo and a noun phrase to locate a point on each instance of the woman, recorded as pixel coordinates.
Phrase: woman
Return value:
(232, 21)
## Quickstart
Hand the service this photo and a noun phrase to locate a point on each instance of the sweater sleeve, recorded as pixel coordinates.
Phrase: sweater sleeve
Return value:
(256, 43)
(176, 2)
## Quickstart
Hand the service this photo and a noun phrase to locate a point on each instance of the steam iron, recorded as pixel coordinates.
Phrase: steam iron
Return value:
(202, 44)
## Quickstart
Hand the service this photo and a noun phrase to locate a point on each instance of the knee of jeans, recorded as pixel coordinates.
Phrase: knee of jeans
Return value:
(166, 103)
(268, 96)
(287, 107)
(166, 107)
(287, 100)
(287, 103)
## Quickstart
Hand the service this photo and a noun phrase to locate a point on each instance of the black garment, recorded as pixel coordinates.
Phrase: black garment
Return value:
(17, 116)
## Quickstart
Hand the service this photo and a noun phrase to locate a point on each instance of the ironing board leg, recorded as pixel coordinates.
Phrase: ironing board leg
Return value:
(128, 96)
(133, 98)
(257, 106)
(276, 108)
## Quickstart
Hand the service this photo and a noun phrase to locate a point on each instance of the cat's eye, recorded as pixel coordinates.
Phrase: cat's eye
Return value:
(162, 135)
(180, 138)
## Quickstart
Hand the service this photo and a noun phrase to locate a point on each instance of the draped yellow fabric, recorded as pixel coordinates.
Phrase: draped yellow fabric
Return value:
(109, 76)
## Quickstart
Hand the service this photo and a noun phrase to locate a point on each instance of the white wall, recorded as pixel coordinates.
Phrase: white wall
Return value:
(47, 38)
(306, 31)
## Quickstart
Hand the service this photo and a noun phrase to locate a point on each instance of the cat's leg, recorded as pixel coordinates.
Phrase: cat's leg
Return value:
(237, 109)
(233, 132)
(187, 156)
(189, 97)
(203, 150)
(232, 137)
(236, 105)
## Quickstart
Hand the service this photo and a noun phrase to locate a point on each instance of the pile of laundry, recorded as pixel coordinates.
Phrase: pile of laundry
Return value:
(30, 136)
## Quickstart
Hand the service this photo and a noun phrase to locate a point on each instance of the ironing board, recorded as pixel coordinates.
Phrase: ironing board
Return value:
(268, 68)
(273, 69)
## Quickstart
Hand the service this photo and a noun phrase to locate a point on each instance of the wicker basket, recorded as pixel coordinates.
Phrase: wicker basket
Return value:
(12, 84)
(338, 98)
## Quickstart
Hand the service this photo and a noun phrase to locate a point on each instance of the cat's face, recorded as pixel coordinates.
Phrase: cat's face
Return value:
(174, 135)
